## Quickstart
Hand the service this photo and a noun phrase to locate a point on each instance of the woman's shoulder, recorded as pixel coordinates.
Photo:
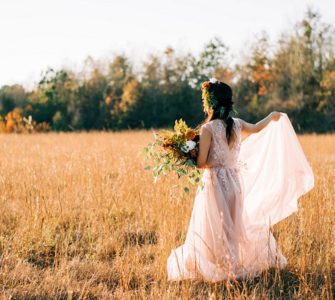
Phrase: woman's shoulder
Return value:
(210, 125)
(213, 125)
(207, 126)
(238, 122)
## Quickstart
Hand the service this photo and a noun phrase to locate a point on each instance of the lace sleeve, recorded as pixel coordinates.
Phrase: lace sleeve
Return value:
(237, 124)
(206, 126)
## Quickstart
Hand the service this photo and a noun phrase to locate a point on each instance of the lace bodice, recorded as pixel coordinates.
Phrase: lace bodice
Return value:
(220, 153)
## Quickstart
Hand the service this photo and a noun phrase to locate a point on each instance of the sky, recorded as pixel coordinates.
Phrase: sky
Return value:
(37, 34)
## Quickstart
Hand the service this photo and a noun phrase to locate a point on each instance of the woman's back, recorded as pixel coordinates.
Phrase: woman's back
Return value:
(221, 153)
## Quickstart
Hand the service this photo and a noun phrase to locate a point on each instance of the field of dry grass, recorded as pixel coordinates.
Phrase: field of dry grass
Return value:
(80, 218)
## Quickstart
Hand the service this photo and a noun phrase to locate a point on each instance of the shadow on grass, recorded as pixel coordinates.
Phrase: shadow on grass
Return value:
(273, 283)
(140, 238)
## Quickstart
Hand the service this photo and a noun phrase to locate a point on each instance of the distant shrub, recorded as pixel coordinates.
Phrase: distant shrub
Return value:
(14, 122)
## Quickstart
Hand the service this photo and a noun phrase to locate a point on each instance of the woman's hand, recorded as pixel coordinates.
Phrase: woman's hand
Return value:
(275, 116)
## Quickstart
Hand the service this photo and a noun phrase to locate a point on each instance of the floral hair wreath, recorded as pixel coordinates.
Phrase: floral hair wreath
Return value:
(209, 100)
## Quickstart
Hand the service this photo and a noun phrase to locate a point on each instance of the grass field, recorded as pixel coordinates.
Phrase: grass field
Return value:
(80, 218)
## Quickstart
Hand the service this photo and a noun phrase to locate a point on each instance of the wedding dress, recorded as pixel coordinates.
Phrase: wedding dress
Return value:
(247, 187)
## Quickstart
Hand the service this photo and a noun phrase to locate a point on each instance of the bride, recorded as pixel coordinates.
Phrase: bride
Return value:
(253, 176)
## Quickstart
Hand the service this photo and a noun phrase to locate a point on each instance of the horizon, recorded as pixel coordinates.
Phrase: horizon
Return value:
(67, 38)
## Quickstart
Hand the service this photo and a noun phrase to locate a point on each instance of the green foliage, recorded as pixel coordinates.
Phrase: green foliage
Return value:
(11, 97)
(169, 153)
(58, 121)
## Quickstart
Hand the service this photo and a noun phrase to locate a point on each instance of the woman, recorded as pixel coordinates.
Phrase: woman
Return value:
(247, 187)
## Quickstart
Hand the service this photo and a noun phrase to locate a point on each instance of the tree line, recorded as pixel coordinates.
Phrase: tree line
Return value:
(296, 75)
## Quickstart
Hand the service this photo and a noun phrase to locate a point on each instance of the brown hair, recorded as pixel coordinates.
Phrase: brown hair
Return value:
(222, 106)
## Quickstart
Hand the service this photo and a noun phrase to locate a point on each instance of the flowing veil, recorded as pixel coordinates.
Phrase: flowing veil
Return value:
(274, 173)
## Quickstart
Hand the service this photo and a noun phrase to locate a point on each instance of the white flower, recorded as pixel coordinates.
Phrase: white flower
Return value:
(213, 80)
(189, 145)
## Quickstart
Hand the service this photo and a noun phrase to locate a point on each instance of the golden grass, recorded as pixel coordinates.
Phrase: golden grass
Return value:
(80, 218)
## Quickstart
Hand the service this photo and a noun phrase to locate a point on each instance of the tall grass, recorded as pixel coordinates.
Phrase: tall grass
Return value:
(80, 218)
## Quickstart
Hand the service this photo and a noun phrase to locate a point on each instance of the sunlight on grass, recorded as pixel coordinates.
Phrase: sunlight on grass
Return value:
(81, 218)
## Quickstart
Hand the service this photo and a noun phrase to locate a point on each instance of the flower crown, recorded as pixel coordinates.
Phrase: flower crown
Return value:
(209, 100)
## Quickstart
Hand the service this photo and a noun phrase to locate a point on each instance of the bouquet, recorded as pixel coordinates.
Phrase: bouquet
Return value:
(175, 151)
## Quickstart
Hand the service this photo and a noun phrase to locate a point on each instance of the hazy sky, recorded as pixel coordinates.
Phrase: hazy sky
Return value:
(36, 34)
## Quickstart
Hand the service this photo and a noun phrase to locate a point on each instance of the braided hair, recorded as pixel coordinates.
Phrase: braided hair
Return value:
(220, 105)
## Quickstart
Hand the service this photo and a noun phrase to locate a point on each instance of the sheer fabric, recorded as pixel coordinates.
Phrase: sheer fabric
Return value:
(248, 187)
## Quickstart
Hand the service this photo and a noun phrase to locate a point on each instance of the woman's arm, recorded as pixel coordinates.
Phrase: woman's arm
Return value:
(248, 128)
(204, 144)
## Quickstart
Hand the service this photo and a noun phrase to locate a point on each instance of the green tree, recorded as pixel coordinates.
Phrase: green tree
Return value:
(119, 75)
(53, 96)
(12, 96)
